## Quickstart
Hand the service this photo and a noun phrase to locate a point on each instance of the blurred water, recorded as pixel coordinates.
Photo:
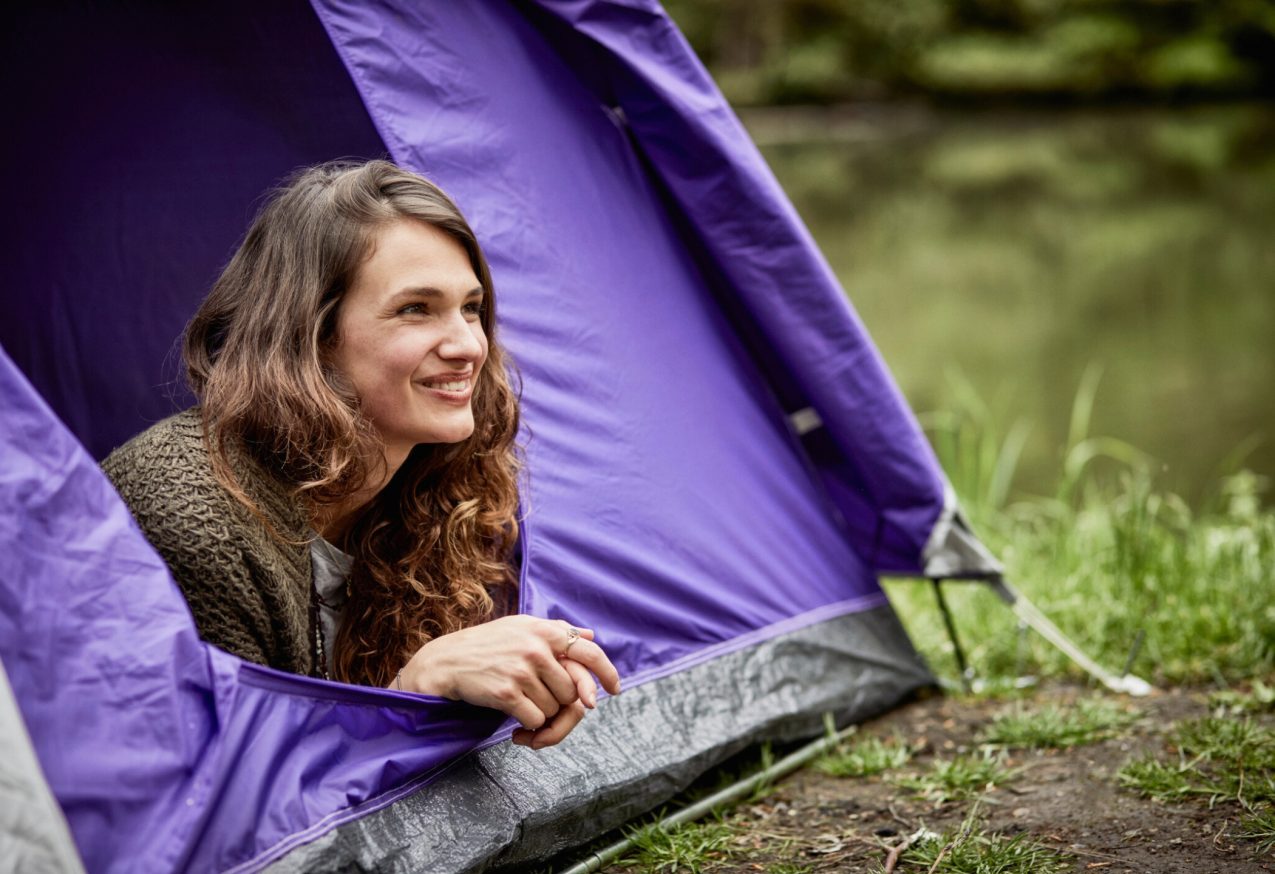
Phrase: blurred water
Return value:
(1014, 250)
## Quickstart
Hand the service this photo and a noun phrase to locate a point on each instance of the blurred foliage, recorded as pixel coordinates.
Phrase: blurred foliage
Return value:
(823, 51)
(994, 256)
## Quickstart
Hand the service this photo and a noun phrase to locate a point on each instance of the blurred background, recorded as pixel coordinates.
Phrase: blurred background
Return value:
(1031, 200)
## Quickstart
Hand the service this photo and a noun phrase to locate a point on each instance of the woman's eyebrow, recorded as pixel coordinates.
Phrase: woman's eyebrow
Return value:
(431, 291)
(417, 291)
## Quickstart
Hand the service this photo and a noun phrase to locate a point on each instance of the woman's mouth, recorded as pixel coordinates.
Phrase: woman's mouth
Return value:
(454, 389)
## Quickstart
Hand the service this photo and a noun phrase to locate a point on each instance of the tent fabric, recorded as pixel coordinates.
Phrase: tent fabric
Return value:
(168, 754)
(148, 133)
(668, 314)
(637, 88)
(656, 452)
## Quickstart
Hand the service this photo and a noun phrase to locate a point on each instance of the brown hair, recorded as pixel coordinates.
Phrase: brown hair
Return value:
(429, 547)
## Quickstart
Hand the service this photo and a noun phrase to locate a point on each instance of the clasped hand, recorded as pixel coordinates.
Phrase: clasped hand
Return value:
(516, 664)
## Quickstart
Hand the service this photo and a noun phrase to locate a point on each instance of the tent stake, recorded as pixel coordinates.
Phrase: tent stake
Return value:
(1032, 615)
(734, 792)
(961, 664)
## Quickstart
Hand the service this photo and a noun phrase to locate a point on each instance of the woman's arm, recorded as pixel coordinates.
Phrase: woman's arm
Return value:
(525, 667)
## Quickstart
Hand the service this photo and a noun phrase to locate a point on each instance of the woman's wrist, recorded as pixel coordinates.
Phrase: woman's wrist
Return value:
(424, 678)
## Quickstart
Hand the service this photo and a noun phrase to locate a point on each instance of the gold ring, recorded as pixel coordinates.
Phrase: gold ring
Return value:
(573, 634)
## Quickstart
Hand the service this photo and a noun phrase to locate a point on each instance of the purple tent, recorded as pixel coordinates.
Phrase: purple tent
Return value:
(719, 463)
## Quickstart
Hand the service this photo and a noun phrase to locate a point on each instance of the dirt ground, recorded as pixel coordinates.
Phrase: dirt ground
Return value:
(1066, 799)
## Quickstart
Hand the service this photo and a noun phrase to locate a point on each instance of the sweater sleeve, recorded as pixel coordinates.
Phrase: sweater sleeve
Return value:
(191, 522)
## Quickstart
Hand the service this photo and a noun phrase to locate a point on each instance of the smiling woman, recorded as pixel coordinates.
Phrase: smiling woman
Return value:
(342, 502)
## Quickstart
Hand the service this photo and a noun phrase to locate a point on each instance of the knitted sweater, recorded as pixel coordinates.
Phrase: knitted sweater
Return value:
(249, 592)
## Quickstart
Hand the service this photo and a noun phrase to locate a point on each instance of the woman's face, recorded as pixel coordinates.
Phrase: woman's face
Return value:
(410, 339)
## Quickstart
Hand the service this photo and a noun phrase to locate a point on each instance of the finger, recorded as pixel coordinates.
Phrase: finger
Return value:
(541, 697)
(555, 678)
(527, 712)
(522, 737)
(558, 727)
(558, 633)
(589, 654)
(585, 687)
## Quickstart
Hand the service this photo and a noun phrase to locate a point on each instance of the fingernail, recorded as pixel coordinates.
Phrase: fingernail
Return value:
(592, 700)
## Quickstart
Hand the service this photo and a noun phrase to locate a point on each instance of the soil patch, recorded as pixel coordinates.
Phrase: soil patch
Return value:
(1067, 799)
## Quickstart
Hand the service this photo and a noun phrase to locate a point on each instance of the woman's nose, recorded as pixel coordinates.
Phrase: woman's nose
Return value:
(464, 340)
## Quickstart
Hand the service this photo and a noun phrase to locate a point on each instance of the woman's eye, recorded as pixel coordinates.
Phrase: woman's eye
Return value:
(474, 308)
(412, 309)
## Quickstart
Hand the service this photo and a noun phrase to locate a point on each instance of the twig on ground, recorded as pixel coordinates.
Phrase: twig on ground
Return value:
(1093, 853)
(892, 858)
(1226, 824)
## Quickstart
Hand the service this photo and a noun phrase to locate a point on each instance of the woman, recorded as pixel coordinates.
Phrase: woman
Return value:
(343, 499)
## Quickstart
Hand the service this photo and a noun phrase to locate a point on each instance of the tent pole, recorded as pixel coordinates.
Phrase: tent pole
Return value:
(961, 664)
(740, 789)
(1127, 684)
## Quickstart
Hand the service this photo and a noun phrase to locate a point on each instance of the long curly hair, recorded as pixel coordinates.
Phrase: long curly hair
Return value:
(432, 548)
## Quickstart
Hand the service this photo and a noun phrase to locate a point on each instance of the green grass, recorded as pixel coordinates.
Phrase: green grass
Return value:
(1219, 759)
(959, 779)
(687, 848)
(1107, 556)
(1152, 778)
(1238, 742)
(1085, 722)
(865, 757)
(966, 851)
(1259, 826)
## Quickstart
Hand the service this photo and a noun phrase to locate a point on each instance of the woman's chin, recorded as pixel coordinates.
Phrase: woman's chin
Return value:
(456, 432)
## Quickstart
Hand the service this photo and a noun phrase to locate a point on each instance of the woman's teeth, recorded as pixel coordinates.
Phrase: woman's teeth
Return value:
(458, 385)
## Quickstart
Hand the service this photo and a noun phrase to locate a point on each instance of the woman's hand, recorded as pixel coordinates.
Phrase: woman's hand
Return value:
(525, 667)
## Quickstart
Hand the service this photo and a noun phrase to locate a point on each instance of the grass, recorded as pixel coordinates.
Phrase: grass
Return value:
(1107, 556)
(1220, 759)
(1152, 778)
(1241, 742)
(959, 779)
(969, 850)
(865, 757)
(1087, 721)
(1259, 826)
(686, 848)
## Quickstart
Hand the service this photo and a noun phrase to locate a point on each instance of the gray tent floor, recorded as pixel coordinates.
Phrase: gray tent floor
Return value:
(510, 807)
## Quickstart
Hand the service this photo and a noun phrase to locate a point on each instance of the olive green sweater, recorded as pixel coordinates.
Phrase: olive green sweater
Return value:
(249, 592)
